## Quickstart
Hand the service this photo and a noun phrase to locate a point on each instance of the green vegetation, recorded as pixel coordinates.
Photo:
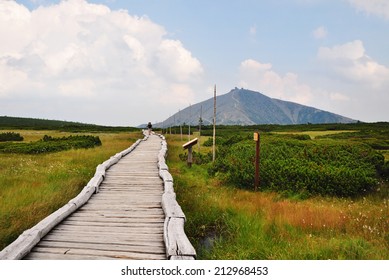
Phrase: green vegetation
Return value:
(33, 186)
(296, 165)
(227, 220)
(50, 144)
(41, 124)
(10, 136)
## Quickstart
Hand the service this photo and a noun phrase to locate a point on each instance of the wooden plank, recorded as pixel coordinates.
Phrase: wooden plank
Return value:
(177, 243)
(118, 214)
(97, 240)
(159, 249)
(101, 253)
(171, 207)
(121, 207)
(140, 228)
(48, 256)
(130, 239)
(109, 233)
(111, 222)
(182, 258)
(125, 217)
(153, 213)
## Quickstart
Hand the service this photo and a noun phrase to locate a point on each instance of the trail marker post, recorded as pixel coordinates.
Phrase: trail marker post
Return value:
(257, 139)
(189, 146)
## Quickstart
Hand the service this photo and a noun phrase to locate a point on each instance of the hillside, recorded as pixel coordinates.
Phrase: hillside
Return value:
(42, 124)
(246, 107)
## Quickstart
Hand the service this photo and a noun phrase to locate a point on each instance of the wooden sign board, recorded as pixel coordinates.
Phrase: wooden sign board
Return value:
(256, 136)
(190, 143)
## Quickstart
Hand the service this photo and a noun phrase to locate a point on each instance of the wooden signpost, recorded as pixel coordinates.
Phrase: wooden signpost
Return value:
(189, 146)
(257, 139)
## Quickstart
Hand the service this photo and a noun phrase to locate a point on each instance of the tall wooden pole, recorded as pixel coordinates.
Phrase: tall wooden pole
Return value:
(170, 125)
(190, 118)
(175, 125)
(200, 122)
(257, 139)
(214, 125)
(179, 116)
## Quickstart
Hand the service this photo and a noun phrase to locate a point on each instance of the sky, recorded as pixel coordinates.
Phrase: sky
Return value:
(125, 63)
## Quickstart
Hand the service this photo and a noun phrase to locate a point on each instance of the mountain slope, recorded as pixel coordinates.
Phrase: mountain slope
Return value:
(246, 107)
(43, 124)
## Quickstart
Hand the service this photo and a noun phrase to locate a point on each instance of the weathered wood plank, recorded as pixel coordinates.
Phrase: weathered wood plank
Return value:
(121, 236)
(101, 253)
(117, 214)
(126, 221)
(159, 249)
(145, 228)
(100, 240)
(152, 213)
(176, 241)
(171, 207)
(129, 239)
(48, 256)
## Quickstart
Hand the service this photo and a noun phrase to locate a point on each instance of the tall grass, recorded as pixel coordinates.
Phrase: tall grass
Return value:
(224, 222)
(33, 186)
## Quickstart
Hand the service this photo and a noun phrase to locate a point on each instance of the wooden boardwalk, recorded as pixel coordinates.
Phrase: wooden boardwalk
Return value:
(124, 220)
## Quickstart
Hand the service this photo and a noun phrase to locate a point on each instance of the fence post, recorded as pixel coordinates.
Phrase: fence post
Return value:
(257, 139)
(189, 146)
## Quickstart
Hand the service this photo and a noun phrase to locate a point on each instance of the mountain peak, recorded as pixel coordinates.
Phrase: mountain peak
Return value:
(247, 107)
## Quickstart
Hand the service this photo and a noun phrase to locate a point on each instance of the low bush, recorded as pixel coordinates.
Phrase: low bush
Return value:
(10, 136)
(334, 168)
(50, 144)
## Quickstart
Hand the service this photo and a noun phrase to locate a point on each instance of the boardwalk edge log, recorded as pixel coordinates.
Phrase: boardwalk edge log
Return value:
(30, 237)
(178, 246)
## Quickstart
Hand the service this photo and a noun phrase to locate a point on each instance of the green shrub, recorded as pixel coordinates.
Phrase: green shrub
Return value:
(309, 167)
(197, 158)
(49, 144)
(10, 136)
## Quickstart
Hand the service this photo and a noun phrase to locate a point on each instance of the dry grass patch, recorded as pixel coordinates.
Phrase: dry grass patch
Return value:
(33, 186)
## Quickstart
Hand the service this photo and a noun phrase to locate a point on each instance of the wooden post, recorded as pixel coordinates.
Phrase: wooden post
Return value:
(189, 146)
(257, 139)
(179, 116)
(200, 123)
(170, 125)
(190, 118)
(190, 157)
(214, 125)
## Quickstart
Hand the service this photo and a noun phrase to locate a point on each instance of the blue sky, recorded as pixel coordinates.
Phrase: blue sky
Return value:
(128, 62)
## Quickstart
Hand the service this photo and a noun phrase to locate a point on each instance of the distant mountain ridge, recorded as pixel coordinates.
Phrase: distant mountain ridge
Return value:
(7, 122)
(247, 107)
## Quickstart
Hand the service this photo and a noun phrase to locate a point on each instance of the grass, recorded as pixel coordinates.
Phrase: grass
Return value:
(224, 222)
(33, 186)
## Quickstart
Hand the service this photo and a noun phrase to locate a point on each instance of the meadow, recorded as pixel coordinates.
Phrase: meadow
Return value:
(34, 185)
(226, 220)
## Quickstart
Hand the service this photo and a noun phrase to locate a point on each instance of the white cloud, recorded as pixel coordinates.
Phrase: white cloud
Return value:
(315, 91)
(359, 83)
(75, 50)
(320, 32)
(375, 7)
(260, 76)
(351, 63)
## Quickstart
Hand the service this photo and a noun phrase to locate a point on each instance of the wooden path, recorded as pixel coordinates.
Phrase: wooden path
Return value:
(124, 220)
